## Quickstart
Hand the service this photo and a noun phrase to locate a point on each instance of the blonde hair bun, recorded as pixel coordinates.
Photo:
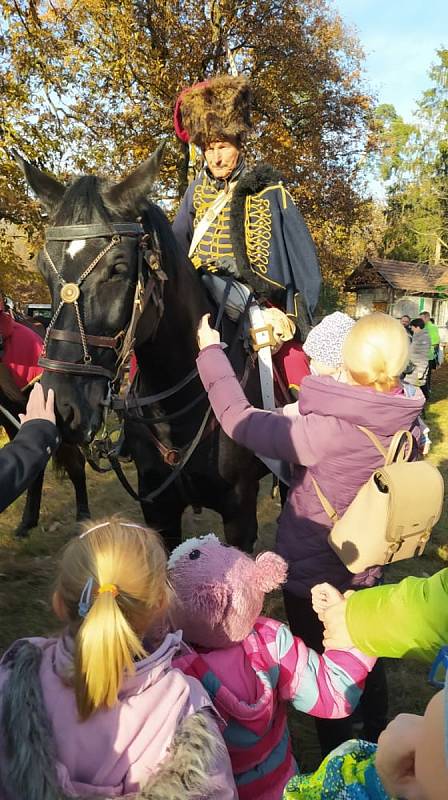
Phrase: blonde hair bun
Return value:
(376, 351)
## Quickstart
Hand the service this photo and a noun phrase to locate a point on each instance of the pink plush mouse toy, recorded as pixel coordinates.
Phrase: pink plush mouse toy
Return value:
(250, 665)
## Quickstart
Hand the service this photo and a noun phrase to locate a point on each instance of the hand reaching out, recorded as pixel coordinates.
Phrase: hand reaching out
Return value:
(206, 334)
(395, 758)
(324, 595)
(39, 408)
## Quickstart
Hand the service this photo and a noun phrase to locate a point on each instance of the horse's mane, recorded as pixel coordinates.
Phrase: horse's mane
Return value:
(84, 201)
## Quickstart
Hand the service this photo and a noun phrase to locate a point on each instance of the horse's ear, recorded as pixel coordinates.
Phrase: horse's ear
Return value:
(133, 190)
(48, 189)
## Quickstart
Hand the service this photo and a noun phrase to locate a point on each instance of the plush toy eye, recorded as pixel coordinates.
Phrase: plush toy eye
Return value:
(195, 554)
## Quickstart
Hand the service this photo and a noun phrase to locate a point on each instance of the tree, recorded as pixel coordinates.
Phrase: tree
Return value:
(414, 164)
(91, 85)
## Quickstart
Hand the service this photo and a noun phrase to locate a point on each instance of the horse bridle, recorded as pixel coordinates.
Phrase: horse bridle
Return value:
(122, 342)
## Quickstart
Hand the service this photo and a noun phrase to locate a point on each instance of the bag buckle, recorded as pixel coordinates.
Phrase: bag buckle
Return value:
(254, 333)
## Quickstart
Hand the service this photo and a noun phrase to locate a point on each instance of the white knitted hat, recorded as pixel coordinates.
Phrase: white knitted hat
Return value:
(324, 342)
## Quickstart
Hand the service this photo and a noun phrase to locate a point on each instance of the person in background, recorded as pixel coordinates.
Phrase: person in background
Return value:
(94, 711)
(22, 460)
(323, 442)
(406, 322)
(434, 337)
(419, 352)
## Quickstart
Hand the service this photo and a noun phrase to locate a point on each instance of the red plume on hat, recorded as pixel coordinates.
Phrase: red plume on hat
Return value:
(212, 110)
(179, 129)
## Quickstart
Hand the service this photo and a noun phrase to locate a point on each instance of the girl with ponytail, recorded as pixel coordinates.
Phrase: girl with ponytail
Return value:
(100, 711)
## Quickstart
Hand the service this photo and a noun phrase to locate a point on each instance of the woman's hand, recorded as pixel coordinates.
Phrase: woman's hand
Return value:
(39, 408)
(206, 334)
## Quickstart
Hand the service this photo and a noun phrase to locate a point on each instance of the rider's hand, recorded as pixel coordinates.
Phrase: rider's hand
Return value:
(39, 408)
(206, 334)
(395, 757)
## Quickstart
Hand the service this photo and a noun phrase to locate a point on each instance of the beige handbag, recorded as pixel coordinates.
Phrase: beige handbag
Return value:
(392, 515)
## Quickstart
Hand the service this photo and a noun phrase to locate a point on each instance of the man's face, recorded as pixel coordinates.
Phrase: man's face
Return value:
(425, 317)
(221, 158)
(405, 320)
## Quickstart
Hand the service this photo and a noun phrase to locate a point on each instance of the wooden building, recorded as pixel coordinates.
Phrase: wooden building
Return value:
(397, 288)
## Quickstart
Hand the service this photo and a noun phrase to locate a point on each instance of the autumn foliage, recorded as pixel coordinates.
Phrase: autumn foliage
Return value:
(90, 85)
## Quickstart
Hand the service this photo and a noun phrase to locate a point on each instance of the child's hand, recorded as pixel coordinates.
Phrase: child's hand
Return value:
(206, 334)
(336, 633)
(395, 758)
(324, 595)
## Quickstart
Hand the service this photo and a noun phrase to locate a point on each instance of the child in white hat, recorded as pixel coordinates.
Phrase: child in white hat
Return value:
(325, 341)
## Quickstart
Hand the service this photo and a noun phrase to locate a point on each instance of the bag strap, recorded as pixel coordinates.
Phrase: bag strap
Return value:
(399, 450)
(326, 505)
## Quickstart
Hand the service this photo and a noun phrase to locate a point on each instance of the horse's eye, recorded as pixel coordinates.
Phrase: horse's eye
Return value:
(195, 554)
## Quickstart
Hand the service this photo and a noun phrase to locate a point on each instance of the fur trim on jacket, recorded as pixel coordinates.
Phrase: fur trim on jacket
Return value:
(28, 771)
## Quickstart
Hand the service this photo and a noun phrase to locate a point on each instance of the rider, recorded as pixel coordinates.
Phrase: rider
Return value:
(240, 221)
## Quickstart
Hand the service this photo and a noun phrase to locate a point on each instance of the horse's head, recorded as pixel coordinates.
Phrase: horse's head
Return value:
(92, 261)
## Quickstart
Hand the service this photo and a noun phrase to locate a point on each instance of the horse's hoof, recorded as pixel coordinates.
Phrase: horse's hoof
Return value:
(22, 532)
(83, 516)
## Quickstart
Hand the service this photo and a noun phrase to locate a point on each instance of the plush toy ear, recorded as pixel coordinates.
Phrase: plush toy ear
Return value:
(210, 601)
(271, 571)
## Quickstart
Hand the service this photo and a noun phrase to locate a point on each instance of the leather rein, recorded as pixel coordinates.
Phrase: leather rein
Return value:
(122, 343)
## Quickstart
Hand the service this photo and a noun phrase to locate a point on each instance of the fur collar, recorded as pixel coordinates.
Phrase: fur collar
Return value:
(29, 765)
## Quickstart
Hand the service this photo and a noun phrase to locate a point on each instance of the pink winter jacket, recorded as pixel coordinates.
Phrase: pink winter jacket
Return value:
(117, 751)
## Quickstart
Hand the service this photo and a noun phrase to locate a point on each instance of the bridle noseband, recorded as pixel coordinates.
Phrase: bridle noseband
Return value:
(148, 250)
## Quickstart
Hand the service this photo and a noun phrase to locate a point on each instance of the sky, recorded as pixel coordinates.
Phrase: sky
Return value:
(400, 40)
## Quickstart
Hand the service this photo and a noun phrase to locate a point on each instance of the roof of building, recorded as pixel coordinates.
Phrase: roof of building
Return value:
(408, 276)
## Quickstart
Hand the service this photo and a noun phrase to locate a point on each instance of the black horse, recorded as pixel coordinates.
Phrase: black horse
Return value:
(100, 230)
(68, 458)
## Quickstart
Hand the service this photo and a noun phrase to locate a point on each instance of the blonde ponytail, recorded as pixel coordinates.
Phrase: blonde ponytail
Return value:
(123, 567)
(376, 351)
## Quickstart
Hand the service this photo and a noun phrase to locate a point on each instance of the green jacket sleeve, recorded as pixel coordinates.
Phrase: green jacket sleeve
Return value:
(403, 620)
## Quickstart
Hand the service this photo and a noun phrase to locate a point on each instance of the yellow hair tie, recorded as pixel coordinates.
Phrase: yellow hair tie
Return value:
(108, 587)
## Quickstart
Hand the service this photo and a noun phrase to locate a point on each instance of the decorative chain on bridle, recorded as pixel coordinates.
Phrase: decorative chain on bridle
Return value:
(122, 342)
(70, 293)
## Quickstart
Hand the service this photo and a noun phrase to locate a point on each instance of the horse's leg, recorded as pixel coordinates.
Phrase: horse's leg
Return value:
(31, 511)
(239, 516)
(166, 519)
(70, 458)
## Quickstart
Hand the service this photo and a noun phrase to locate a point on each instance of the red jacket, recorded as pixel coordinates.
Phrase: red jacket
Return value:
(21, 350)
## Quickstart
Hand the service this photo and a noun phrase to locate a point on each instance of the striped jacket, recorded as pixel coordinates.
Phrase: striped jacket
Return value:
(257, 735)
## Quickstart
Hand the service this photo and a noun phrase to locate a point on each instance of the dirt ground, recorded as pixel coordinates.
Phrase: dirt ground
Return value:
(27, 568)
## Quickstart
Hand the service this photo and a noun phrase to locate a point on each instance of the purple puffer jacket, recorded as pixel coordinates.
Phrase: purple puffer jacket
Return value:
(321, 441)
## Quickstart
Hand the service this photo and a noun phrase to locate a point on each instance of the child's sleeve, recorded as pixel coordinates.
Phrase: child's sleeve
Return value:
(328, 685)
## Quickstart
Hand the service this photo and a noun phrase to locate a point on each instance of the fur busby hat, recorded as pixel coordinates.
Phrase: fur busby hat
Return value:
(214, 110)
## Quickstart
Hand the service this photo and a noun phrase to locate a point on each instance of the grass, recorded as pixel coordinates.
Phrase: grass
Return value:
(28, 568)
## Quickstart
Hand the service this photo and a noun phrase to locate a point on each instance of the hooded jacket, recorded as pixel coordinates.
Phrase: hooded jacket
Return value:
(116, 751)
(322, 441)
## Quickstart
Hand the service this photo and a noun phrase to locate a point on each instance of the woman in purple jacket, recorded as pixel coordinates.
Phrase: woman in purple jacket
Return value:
(322, 441)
